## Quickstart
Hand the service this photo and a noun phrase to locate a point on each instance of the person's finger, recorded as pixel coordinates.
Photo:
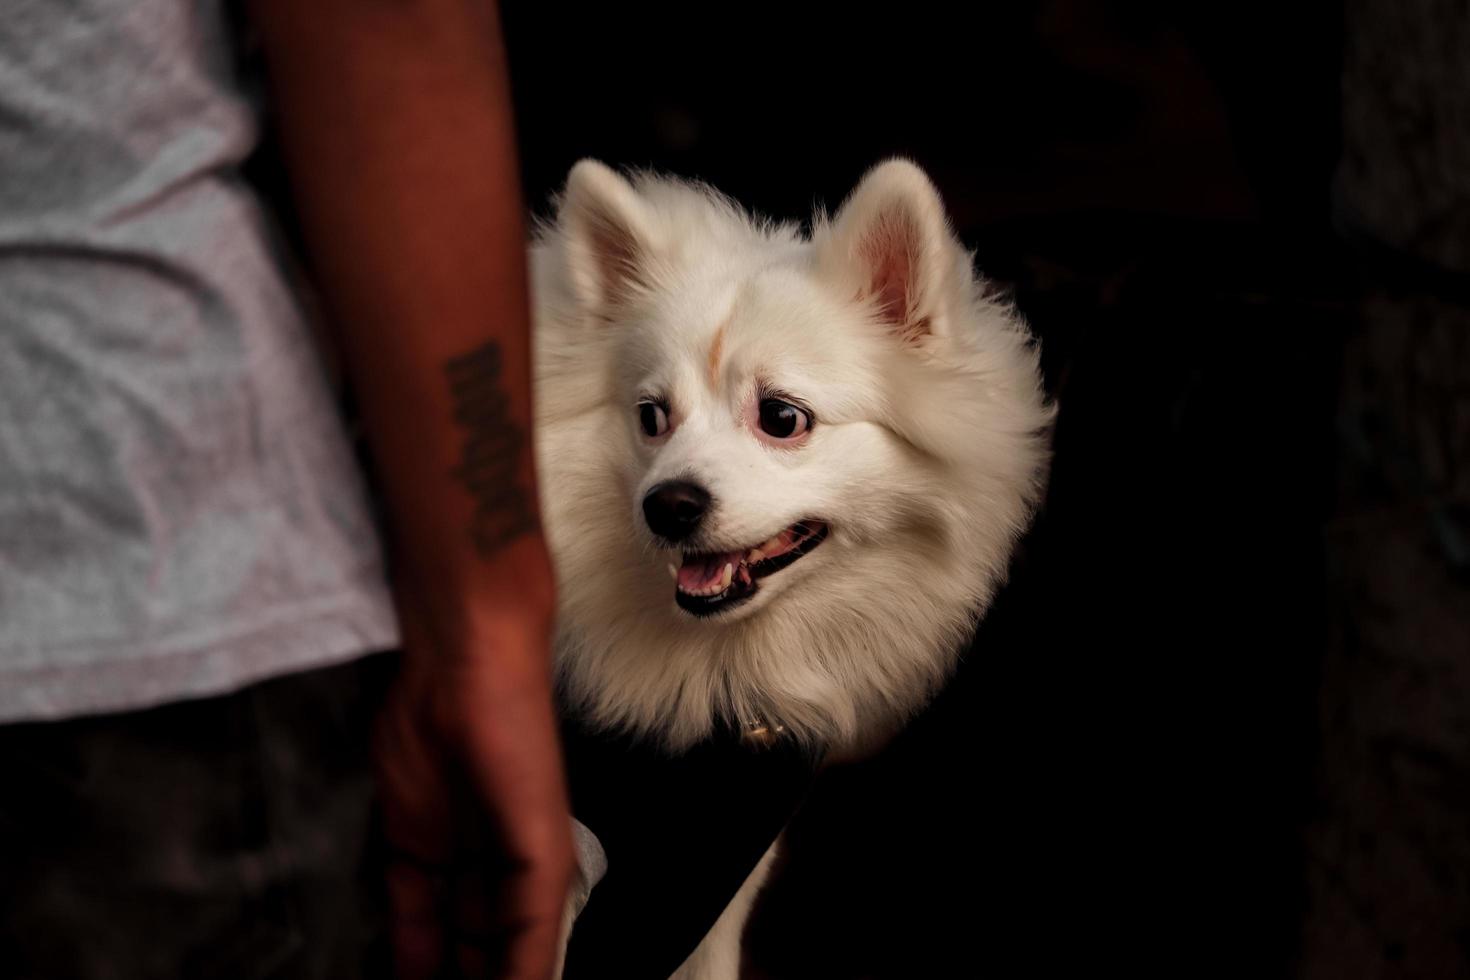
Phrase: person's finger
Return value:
(494, 932)
(476, 937)
(513, 758)
(525, 889)
(526, 907)
(532, 951)
(501, 906)
(416, 908)
(417, 834)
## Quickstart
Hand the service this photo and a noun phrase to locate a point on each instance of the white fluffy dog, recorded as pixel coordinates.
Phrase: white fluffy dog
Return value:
(829, 442)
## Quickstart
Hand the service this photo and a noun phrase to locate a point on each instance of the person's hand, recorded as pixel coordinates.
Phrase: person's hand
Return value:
(474, 801)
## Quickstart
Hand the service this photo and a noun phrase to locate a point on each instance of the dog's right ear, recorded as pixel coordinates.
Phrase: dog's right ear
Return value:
(609, 236)
(893, 238)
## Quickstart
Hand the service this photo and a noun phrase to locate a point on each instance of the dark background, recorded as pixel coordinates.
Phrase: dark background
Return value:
(1218, 724)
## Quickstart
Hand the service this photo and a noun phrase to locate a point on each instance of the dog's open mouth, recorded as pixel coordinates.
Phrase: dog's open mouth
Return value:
(707, 583)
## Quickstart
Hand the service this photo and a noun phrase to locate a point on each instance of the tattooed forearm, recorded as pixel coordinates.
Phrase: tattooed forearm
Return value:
(492, 449)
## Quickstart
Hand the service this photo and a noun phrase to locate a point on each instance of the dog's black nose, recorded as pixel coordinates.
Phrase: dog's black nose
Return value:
(674, 508)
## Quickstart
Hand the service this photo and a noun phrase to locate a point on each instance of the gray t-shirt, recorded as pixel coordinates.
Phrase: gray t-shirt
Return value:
(180, 512)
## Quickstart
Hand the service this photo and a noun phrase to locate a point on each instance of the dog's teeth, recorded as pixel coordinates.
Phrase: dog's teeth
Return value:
(725, 579)
(755, 555)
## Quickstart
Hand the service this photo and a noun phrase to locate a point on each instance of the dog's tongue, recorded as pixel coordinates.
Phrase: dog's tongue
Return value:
(700, 572)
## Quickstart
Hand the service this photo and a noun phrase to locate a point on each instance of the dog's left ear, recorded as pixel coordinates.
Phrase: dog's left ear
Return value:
(609, 237)
(892, 238)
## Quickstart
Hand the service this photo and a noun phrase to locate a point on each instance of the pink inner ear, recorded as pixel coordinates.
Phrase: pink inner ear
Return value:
(890, 253)
(617, 256)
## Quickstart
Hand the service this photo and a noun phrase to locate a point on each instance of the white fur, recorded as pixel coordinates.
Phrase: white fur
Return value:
(926, 457)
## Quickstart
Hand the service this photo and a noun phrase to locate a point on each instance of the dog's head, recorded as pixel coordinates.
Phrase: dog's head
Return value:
(784, 450)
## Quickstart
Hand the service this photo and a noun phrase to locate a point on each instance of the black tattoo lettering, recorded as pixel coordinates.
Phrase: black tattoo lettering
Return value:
(487, 466)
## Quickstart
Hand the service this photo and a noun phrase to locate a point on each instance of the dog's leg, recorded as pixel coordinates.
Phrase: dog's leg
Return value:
(718, 955)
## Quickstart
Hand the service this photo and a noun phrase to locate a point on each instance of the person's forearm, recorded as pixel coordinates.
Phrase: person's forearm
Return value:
(397, 132)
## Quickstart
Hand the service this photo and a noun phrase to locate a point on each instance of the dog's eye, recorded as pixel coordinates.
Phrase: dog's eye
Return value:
(654, 418)
(783, 420)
